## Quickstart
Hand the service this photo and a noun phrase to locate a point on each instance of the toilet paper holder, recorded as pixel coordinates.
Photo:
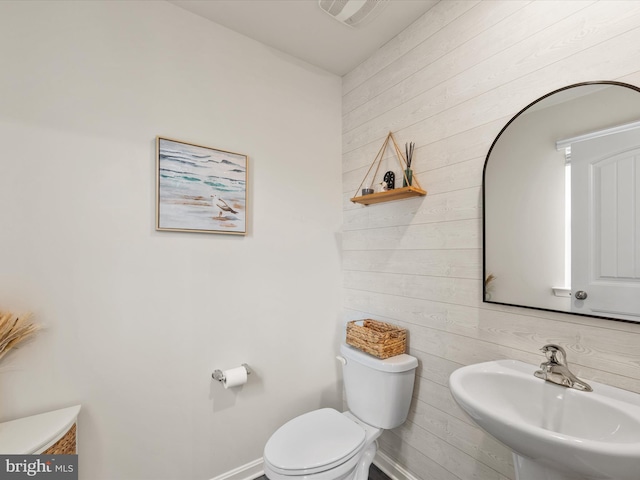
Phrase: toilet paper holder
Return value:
(219, 374)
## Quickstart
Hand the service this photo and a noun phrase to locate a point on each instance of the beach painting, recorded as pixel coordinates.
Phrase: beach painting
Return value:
(200, 189)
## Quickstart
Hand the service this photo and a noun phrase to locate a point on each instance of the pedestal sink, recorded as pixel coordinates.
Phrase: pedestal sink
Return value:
(555, 432)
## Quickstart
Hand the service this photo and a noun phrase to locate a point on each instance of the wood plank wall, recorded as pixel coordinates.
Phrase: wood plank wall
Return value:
(449, 83)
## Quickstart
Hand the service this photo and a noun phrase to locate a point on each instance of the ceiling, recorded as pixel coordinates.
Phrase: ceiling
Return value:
(302, 29)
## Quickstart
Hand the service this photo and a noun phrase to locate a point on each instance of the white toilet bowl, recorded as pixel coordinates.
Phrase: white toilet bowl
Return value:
(328, 445)
(321, 445)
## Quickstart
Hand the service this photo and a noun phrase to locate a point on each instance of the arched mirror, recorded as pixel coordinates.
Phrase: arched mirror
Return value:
(561, 189)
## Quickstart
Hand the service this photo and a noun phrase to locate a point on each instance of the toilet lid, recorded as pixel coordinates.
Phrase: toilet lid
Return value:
(313, 442)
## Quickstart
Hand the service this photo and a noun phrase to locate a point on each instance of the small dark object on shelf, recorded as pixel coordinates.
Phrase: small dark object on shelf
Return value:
(390, 178)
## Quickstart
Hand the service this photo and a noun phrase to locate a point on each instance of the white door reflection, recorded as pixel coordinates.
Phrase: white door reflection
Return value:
(605, 226)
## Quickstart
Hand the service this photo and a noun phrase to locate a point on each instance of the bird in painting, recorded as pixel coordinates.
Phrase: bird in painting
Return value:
(222, 206)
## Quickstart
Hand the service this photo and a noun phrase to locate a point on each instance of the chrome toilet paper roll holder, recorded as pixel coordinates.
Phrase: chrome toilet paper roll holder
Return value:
(219, 374)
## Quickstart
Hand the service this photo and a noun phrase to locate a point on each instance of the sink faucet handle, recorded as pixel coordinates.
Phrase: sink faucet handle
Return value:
(556, 370)
(552, 351)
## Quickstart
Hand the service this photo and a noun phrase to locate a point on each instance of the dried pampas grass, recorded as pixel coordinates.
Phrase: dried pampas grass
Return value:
(14, 330)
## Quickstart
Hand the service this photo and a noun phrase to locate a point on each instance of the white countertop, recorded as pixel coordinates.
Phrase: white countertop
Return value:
(32, 434)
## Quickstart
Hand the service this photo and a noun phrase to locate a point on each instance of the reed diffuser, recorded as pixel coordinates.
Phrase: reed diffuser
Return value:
(14, 330)
(408, 173)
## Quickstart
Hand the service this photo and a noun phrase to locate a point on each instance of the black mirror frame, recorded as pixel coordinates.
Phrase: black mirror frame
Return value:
(484, 170)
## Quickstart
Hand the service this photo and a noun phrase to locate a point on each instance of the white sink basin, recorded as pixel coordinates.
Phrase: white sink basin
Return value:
(556, 433)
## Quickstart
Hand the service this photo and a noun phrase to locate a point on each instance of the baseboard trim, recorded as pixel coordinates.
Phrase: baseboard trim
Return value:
(255, 469)
(391, 468)
(248, 471)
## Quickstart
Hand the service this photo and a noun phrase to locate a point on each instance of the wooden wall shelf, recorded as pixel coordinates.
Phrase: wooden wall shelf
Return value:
(389, 195)
(395, 193)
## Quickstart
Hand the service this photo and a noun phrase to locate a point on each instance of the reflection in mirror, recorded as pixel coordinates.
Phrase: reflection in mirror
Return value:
(561, 193)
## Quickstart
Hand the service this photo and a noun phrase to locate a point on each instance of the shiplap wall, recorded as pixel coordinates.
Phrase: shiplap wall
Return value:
(449, 83)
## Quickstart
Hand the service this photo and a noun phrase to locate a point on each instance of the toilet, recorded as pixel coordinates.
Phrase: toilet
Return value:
(328, 445)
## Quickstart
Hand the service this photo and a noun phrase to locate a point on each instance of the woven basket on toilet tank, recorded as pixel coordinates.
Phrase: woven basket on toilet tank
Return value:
(376, 338)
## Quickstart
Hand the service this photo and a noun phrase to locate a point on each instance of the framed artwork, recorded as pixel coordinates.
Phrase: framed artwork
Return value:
(200, 189)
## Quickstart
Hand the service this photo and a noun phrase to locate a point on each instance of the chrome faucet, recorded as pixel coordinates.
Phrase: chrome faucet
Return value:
(556, 370)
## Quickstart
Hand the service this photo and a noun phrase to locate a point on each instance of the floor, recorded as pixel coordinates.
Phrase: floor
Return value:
(374, 474)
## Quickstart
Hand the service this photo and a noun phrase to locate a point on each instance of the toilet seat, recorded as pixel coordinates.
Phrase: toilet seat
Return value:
(314, 442)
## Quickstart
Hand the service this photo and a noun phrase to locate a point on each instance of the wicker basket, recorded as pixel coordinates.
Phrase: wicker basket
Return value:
(66, 445)
(376, 338)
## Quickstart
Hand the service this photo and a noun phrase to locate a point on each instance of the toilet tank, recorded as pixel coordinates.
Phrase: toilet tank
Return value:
(378, 391)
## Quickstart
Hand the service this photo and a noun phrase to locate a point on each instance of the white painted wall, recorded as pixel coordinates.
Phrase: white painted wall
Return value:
(136, 320)
(449, 83)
